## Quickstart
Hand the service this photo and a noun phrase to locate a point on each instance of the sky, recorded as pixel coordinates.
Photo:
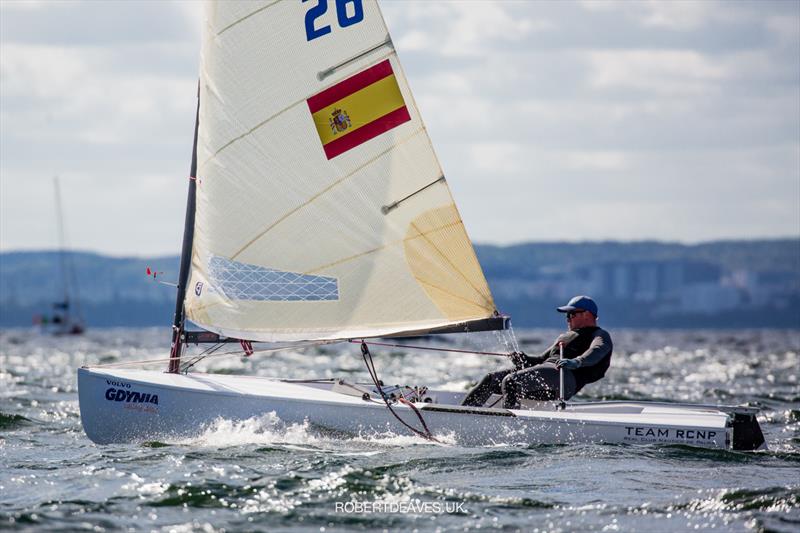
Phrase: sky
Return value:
(632, 120)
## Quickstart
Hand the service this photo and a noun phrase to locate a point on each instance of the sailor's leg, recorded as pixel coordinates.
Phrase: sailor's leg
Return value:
(490, 384)
(540, 382)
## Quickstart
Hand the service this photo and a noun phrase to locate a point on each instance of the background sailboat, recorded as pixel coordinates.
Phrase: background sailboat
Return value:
(66, 317)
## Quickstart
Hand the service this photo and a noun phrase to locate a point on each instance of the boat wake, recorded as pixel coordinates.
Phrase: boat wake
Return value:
(264, 429)
(269, 429)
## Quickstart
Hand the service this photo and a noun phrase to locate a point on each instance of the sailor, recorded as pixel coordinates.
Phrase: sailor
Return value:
(587, 356)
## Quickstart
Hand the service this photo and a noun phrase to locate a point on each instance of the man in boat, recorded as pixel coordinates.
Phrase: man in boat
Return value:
(587, 355)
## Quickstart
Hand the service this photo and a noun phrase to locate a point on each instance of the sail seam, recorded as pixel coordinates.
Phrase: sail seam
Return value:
(197, 308)
(387, 245)
(251, 130)
(322, 192)
(265, 121)
(470, 302)
(259, 10)
(444, 256)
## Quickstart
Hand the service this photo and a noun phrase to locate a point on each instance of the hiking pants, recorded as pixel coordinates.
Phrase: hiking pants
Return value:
(540, 382)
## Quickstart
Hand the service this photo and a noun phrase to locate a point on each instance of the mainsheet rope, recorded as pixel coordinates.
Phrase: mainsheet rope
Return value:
(429, 348)
(425, 433)
(303, 345)
(207, 355)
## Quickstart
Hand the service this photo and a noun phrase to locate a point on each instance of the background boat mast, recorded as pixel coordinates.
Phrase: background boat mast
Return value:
(64, 309)
(62, 242)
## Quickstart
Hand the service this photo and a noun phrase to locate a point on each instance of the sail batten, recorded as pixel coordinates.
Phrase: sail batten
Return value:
(331, 70)
(330, 219)
(313, 198)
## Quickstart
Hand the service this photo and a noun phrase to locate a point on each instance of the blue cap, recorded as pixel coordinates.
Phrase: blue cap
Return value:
(579, 302)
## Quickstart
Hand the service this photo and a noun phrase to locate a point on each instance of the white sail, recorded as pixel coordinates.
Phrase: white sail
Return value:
(322, 211)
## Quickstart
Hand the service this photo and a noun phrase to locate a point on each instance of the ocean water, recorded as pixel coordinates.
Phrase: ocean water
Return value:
(263, 474)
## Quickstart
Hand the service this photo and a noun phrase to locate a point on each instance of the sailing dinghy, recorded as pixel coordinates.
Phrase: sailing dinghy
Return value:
(317, 212)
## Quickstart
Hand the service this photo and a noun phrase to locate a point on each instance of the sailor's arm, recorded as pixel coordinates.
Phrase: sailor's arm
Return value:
(599, 348)
(522, 360)
(534, 360)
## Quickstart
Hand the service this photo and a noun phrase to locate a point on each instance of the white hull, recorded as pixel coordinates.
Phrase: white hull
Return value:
(137, 405)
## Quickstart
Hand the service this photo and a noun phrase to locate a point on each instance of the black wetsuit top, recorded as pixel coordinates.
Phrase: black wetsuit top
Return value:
(591, 346)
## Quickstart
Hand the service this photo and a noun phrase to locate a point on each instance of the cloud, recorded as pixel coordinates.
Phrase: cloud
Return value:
(471, 29)
(54, 91)
(415, 41)
(91, 23)
(670, 120)
(111, 112)
(596, 160)
(677, 15)
(786, 28)
(669, 72)
(497, 157)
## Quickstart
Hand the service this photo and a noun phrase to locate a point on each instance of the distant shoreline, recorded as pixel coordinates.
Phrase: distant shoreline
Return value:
(646, 284)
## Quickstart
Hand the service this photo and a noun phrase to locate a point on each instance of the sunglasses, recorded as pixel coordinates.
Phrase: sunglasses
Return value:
(571, 314)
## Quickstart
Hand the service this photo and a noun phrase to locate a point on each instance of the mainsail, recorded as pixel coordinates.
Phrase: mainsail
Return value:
(322, 211)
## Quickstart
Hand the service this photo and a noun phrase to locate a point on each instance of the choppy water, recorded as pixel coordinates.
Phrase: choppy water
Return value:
(264, 475)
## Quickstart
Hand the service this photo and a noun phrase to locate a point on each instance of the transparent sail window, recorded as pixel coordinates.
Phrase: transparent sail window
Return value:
(242, 281)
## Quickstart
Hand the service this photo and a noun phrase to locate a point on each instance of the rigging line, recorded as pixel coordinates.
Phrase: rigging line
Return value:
(223, 354)
(129, 363)
(262, 123)
(207, 352)
(402, 399)
(259, 10)
(429, 348)
(322, 192)
(328, 71)
(386, 208)
(488, 301)
(370, 364)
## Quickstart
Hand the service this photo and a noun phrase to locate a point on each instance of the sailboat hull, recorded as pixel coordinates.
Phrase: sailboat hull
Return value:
(134, 405)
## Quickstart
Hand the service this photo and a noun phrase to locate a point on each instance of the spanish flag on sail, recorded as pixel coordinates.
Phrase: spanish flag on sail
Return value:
(358, 109)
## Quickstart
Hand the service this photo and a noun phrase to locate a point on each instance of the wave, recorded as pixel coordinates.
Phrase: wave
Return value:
(288, 492)
(8, 421)
(263, 429)
(769, 499)
(270, 432)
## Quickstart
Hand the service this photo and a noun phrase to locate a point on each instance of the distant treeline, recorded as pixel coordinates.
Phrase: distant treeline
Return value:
(638, 284)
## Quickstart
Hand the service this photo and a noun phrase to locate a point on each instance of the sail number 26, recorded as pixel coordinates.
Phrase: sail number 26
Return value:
(348, 12)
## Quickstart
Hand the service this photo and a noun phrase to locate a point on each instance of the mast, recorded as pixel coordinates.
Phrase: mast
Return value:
(68, 308)
(186, 254)
(62, 244)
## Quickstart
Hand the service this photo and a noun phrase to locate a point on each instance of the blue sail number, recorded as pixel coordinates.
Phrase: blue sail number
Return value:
(342, 16)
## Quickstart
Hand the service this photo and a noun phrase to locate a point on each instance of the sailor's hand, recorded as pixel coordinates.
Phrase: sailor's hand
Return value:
(519, 359)
(571, 364)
